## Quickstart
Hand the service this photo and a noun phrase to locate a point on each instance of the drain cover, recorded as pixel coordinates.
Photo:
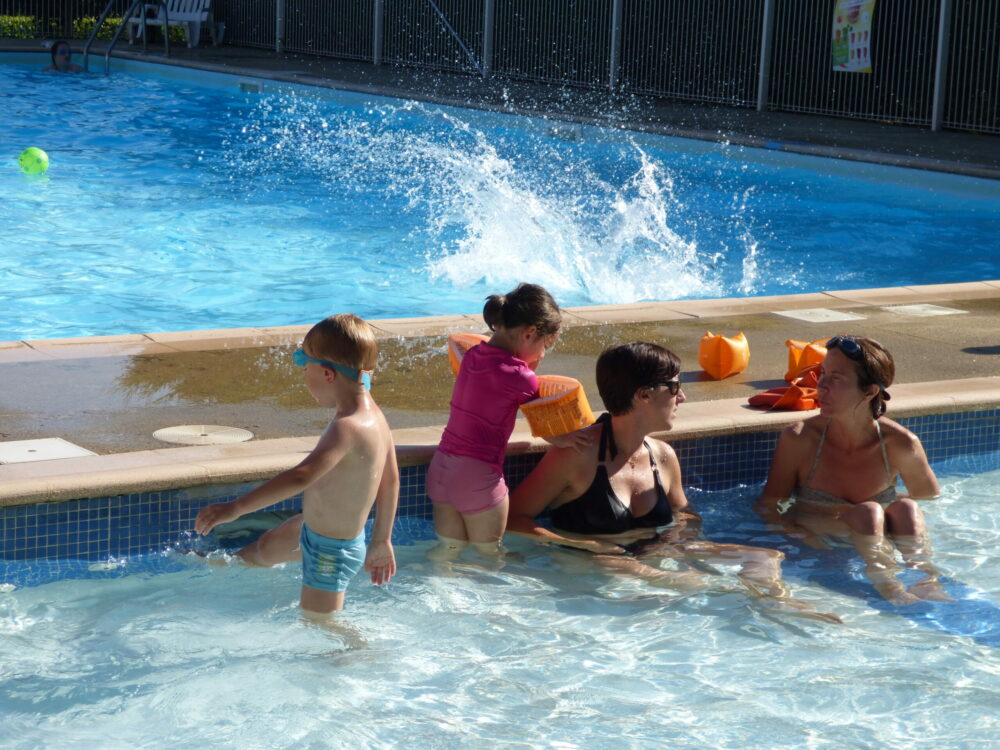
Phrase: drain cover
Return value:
(202, 434)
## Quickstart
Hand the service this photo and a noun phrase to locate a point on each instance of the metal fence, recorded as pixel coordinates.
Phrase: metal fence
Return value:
(693, 50)
(934, 62)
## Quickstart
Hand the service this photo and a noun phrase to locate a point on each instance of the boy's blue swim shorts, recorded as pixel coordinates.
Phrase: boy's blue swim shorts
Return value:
(329, 564)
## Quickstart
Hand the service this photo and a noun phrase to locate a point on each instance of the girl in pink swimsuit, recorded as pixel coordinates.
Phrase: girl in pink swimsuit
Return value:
(465, 478)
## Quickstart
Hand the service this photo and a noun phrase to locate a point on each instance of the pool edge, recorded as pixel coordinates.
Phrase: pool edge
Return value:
(194, 466)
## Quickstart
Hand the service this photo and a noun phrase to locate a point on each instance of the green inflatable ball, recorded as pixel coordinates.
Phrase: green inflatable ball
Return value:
(33, 161)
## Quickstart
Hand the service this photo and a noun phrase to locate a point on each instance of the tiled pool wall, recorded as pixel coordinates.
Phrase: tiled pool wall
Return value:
(97, 529)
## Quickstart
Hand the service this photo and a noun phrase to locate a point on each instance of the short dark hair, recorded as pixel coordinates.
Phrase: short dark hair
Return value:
(55, 48)
(527, 305)
(624, 369)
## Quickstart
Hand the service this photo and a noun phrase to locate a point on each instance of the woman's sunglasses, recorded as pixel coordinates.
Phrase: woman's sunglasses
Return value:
(847, 345)
(674, 386)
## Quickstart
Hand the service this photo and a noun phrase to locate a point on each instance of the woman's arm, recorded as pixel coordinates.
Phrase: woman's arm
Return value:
(540, 488)
(908, 454)
(783, 478)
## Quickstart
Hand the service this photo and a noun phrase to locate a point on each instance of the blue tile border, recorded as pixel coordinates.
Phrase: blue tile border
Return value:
(98, 529)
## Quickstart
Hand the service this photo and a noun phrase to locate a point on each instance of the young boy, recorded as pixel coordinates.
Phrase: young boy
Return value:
(351, 468)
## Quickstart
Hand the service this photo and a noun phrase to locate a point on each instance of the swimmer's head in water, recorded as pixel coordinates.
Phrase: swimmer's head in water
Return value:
(623, 370)
(60, 52)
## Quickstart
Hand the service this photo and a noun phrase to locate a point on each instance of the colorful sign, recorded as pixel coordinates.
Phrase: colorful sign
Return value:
(852, 35)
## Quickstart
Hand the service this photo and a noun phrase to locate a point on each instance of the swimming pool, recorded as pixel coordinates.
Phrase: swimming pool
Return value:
(184, 203)
(543, 652)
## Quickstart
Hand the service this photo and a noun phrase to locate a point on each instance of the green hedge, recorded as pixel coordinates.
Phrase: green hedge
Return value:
(31, 27)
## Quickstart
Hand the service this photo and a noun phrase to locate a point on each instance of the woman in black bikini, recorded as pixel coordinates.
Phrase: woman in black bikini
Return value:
(611, 496)
(841, 466)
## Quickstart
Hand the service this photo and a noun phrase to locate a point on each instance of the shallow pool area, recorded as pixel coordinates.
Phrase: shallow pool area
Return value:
(545, 651)
(180, 200)
(160, 191)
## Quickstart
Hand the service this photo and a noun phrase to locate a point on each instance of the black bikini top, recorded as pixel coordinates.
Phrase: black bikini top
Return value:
(598, 510)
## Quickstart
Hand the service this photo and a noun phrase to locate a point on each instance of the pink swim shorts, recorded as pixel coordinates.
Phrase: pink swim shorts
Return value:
(467, 484)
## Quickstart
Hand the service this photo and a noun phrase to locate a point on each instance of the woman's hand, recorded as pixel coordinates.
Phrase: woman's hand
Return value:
(600, 548)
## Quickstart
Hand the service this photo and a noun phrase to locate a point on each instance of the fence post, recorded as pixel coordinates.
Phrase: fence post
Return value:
(614, 65)
(489, 29)
(766, 47)
(279, 26)
(941, 66)
(378, 28)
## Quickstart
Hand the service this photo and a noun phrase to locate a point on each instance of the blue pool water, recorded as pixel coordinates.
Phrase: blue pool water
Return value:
(545, 651)
(182, 204)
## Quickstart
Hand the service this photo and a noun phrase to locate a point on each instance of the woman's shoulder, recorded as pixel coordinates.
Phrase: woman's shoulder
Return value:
(896, 436)
(662, 451)
(808, 430)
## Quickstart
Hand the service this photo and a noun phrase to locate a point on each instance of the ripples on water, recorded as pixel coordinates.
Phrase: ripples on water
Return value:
(544, 651)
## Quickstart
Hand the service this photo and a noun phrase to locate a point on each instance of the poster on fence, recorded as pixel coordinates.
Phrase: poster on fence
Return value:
(852, 35)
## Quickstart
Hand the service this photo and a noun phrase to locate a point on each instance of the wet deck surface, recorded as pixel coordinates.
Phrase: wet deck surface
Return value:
(113, 402)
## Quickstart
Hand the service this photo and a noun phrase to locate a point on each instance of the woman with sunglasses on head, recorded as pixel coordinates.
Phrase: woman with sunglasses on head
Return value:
(621, 497)
(62, 58)
(840, 469)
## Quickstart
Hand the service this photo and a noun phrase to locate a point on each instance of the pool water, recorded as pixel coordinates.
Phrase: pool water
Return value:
(178, 204)
(543, 652)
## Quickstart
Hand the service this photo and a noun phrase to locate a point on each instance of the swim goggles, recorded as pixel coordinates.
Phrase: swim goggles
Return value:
(674, 386)
(364, 377)
(847, 345)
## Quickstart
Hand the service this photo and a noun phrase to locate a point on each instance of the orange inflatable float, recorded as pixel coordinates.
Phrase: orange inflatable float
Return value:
(802, 355)
(561, 406)
(798, 395)
(459, 344)
(721, 357)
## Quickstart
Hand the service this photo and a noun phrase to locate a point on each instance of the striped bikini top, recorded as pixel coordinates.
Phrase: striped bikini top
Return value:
(819, 497)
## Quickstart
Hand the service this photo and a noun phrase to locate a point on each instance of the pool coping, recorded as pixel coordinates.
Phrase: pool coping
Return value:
(183, 467)
(29, 350)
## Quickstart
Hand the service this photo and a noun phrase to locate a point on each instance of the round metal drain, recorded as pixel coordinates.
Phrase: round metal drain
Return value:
(202, 434)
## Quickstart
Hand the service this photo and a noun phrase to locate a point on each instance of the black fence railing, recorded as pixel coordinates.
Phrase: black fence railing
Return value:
(933, 62)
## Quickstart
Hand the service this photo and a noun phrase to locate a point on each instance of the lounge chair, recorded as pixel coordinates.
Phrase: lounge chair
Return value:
(190, 14)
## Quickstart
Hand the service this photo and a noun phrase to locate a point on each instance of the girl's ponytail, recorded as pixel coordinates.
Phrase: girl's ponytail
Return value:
(527, 305)
(493, 310)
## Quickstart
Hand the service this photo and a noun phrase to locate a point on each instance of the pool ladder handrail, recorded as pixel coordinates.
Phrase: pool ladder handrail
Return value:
(121, 27)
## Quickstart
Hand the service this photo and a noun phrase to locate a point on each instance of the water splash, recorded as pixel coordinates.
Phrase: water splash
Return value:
(492, 207)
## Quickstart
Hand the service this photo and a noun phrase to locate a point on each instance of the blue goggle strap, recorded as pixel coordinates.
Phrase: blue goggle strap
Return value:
(358, 376)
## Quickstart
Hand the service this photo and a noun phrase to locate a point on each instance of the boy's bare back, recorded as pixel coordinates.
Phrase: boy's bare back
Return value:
(359, 448)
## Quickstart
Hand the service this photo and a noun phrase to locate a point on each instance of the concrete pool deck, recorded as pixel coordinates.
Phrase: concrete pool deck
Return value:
(109, 394)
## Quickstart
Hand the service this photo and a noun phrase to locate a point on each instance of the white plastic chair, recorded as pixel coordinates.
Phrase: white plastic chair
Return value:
(190, 14)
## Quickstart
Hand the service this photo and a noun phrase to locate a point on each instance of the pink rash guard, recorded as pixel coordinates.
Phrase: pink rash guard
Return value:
(491, 384)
